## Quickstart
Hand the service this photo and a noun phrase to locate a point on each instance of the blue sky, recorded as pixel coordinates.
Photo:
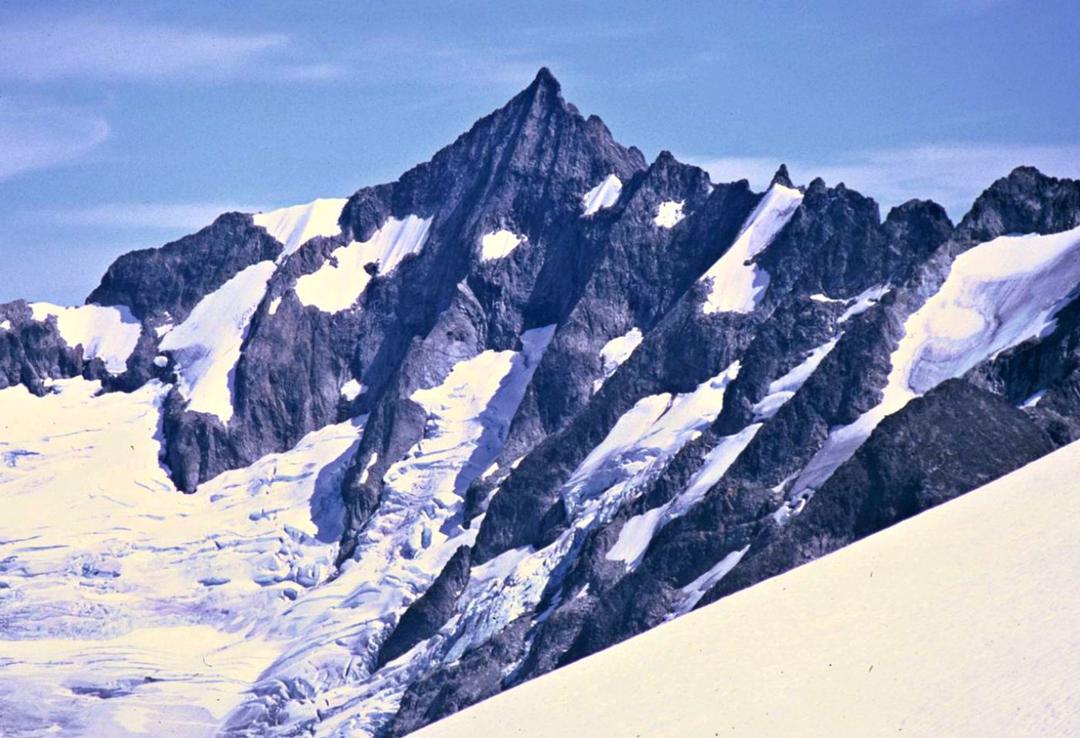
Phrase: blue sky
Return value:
(126, 125)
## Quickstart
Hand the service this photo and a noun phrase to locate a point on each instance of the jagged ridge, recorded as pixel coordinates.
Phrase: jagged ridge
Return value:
(561, 447)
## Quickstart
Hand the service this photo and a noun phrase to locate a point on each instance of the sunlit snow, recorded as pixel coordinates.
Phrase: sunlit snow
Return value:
(130, 608)
(294, 226)
(415, 530)
(351, 389)
(637, 533)
(997, 295)
(342, 279)
(497, 244)
(656, 426)
(604, 195)
(107, 333)
(736, 285)
(615, 352)
(206, 346)
(875, 639)
(783, 389)
(669, 214)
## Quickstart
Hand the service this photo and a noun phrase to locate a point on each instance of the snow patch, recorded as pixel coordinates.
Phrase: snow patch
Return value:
(294, 226)
(864, 301)
(343, 277)
(697, 589)
(367, 467)
(5, 325)
(669, 214)
(604, 195)
(637, 532)
(656, 427)
(615, 352)
(351, 390)
(1033, 400)
(106, 333)
(497, 244)
(783, 389)
(736, 285)
(207, 345)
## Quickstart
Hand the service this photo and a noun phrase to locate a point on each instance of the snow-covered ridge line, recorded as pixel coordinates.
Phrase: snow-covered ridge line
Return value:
(872, 631)
(997, 295)
(736, 286)
(106, 333)
(343, 277)
(296, 225)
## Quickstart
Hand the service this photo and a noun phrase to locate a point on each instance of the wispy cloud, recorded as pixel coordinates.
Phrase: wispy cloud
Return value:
(39, 135)
(172, 216)
(952, 174)
(42, 49)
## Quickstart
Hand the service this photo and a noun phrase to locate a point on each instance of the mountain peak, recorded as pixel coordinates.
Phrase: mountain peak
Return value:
(781, 177)
(545, 79)
(544, 93)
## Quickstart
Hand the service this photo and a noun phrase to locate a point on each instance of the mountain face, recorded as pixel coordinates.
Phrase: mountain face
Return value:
(868, 642)
(533, 398)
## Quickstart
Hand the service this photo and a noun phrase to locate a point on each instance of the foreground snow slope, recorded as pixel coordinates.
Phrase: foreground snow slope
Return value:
(960, 621)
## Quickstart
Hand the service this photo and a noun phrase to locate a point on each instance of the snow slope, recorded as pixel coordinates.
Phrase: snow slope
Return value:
(206, 346)
(408, 540)
(129, 608)
(294, 226)
(960, 621)
(342, 278)
(996, 296)
(735, 283)
(107, 333)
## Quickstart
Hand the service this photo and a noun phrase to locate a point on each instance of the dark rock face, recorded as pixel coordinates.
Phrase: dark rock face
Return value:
(920, 457)
(841, 284)
(1026, 201)
(166, 283)
(425, 616)
(961, 437)
(476, 677)
(32, 352)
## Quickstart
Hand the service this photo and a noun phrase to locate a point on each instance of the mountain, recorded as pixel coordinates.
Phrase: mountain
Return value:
(347, 467)
(951, 623)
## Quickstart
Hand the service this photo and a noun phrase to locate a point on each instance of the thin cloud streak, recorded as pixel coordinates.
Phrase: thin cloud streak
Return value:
(950, 174)
(40, 135)
(39, 50)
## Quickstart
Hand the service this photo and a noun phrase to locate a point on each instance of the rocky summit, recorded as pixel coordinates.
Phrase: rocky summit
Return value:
(348, 467)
